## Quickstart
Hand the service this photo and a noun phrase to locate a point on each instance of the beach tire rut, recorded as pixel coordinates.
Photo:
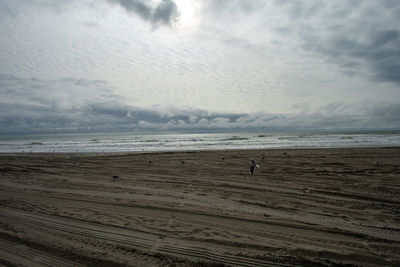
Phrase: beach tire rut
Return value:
(9, 251)
(194, 251)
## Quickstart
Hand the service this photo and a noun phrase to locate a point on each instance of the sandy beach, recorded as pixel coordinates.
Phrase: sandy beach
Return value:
(302, 207)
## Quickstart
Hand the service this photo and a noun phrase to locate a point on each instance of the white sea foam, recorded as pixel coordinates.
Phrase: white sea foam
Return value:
(179, 142)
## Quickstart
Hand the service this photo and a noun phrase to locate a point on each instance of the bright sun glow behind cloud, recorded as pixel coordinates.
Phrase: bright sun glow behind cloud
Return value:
(188, 17)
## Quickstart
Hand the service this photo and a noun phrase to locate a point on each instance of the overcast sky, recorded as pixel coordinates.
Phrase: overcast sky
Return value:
(136, 65)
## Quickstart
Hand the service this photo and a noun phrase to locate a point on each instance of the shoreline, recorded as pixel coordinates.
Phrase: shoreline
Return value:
(190, 151)
(196, 150)
(200, 142)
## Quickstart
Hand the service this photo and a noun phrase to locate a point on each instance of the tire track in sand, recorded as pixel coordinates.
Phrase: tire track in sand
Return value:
(192, 250)
(385, 231)
(27, 256)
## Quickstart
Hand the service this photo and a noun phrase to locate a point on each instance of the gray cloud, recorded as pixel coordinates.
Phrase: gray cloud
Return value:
(7, 10)
(366, 36)
(233, 7)
(65, 93)
(380, 53)
(360, 37)
(36, 106)
(165, 13)
(237, 55)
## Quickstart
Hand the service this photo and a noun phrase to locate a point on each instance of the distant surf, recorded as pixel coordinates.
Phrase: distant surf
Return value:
(89, 143)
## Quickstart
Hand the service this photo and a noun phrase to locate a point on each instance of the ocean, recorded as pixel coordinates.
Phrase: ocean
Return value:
(97, 143)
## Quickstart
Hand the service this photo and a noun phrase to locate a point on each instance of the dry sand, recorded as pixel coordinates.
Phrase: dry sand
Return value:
(305, 207)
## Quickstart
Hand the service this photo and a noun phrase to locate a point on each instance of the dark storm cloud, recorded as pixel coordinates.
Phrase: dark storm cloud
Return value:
(165, 13)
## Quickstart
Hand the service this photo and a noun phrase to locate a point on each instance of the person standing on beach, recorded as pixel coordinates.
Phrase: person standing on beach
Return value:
(253, 165)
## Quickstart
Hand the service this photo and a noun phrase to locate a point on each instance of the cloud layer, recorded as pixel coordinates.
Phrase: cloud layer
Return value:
(201, 65)
(51, 106)
(352, 34)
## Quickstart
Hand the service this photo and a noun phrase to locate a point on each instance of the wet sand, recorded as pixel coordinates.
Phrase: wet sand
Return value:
(303, 207)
